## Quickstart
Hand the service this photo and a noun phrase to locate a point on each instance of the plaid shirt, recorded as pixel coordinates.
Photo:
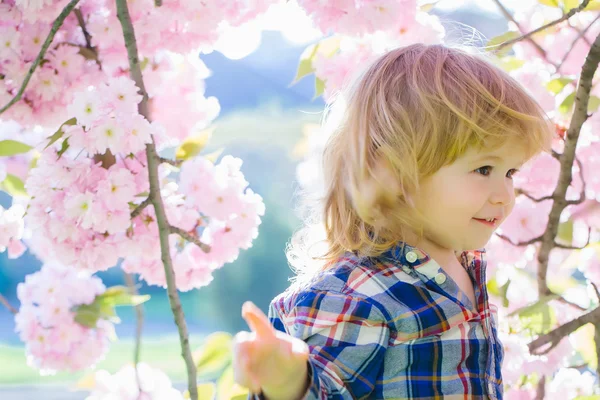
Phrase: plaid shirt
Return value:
(395, 327)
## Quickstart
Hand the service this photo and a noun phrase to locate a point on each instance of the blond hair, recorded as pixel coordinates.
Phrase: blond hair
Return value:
(414, 110)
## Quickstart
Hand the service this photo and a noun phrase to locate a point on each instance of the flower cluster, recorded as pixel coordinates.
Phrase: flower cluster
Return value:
(46, 320)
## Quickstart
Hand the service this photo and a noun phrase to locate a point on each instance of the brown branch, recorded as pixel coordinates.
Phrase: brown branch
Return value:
(565, 301)
(55, 27)
(138, 210)
(568, 15)
(562, 246)
(541, 388)
(554, 337)
(580, 115)
(190, 238)
(527, 243)
(139, 319)
(156, 199)
(89, 49)
(6, 304)
(175, 163)
(596, 290)
(510, 17)
(157, 3)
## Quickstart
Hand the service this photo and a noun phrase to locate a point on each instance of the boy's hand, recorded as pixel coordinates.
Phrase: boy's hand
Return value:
(268, 359)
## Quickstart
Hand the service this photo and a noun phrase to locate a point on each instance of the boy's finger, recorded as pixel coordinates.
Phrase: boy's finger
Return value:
(257, 321)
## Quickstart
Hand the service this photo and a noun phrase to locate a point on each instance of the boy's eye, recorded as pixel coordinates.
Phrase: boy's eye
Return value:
(486, 170)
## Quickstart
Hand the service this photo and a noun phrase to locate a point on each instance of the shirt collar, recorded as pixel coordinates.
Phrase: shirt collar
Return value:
(398, 254)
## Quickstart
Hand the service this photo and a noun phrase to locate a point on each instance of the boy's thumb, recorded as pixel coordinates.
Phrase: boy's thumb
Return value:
(257, 320)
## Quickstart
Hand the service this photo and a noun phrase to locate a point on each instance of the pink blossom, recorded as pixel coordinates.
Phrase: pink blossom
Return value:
(11, 227)
(45, 322)
(123, 385)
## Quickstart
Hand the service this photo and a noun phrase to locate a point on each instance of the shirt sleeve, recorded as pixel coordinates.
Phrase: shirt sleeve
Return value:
(347, 336)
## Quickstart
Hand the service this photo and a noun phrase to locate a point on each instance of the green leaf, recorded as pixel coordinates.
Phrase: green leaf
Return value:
(565, 232)
(427, 7)
(103, 306)
(570, 4)
(305, 66)
(539, 317)
(319, 87)
(213, 156)
(549, 3)
(13, 185)
(63, 148)
(87, 314)
(193, 145)
(594, 5)
(121, 296)
(499, 291)
(494, 42)
(326, 47)
(592, 397)
(567, 104)
(593, 104)
(214, 355)
(557, 85)
(227, 389)
(59, 132)
(13, 147)
(510, 63)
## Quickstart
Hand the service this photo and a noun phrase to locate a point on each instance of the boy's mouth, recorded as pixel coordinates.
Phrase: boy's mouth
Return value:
(488, 222)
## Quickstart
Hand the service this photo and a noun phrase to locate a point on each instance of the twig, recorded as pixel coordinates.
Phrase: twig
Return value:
(139, 319)
(156, 199)
(580, 115)
(568, 15)
(541, 388)
(510, 17)
(597, 341)
(562, 246)
(157, 3)
(527, 243)
(190, 238)
(7, 304)
(175, 163)
(88, 38)
(565, 301)
(55, 27)
(138, 210)
(554, 337)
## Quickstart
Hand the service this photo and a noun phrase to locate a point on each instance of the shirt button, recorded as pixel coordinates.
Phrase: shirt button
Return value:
(440, 278)
(411, 256)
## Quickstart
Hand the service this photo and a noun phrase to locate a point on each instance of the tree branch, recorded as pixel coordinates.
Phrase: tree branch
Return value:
(580, 115)
(568, 15)
(55, 27)
(139, 319)
(554, 337)
(138, 210)
(510, 17)
(190, 238)
(156, 199)
(88, 39)
(6, 304)
(175, 163)
(527, 243)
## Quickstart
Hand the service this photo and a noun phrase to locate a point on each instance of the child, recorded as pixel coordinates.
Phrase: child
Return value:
(417, 176)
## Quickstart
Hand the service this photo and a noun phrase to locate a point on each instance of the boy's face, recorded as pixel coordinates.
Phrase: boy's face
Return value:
(476, 186)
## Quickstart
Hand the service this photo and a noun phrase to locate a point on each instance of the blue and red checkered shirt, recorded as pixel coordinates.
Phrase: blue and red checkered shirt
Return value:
(395, 327)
